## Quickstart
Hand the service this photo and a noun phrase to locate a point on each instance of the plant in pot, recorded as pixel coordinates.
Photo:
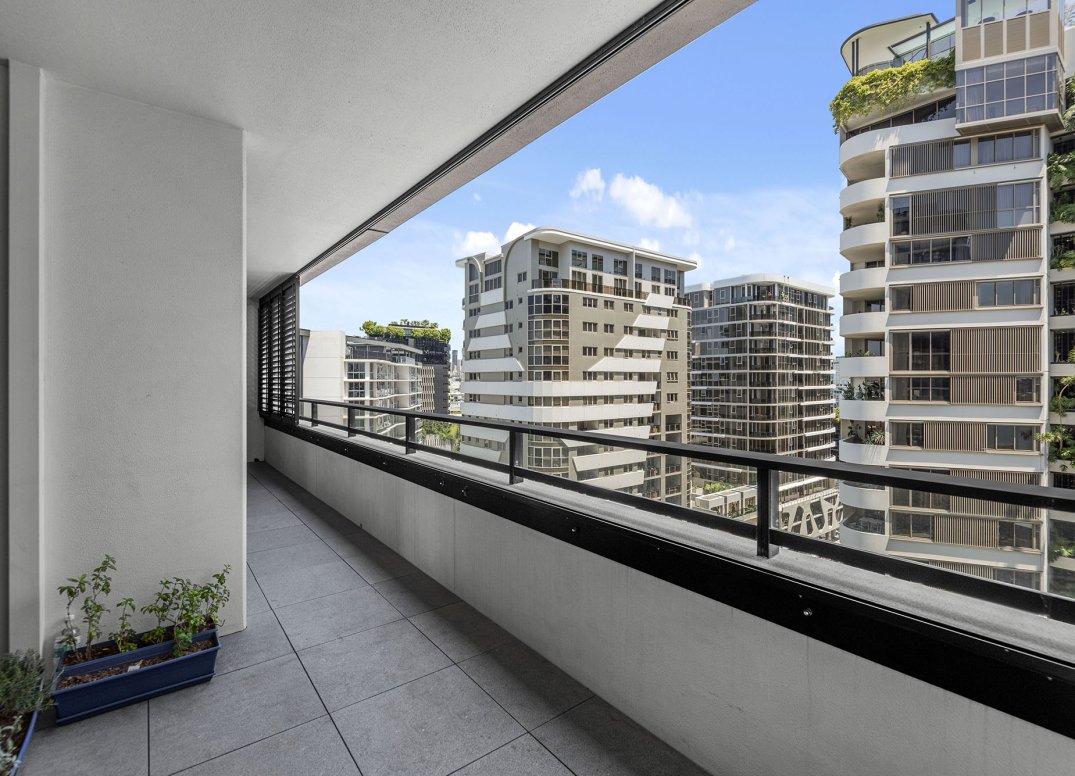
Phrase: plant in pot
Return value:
(21, 698)
(178, 651)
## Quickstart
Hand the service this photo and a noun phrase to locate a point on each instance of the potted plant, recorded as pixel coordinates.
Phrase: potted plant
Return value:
(21, 698)
(178, 651)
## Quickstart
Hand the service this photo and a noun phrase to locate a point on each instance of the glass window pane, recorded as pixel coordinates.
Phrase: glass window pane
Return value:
(1024, 292)
(986, 294)
(996, 72)
(1034, 104)
(1005, 148)
(994, 110)
(1005, 292)
(1036, 64)
(986, 152)
(994, 90)
(961, 154)
(920, 252)
(1018, 67)
(961, 249)
(1035, 83)
(901, 253)
(1024, 194)
(1024, 145)
(975, 75)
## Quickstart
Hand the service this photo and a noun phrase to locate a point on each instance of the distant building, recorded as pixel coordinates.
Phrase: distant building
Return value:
(357, 370)
(579, 333)
(434, 356)
(762, 381)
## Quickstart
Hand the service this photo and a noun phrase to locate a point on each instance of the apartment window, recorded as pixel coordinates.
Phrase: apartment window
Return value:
(493, 267)
(655, 274)
(975, 12)
(901, 298)
(589, 301)
(961, 153)
(589, 326)
(907, 434)
(619, 266)
(670, 276)
(931, 389)
(1020, 536)
(610, 328)
(610, 305)
(589, 351)
(638, 270)
(578, 259)
(548, 258)
(1017, 204)
(920, 499)
(472, 272)
(910, 525)
(671, 397)
(1013, 147)
(1009, 293)
(672, 334)
(597, 263)
(548, 304)
(493, 283)
(1027, 390)
(1007, 88)
(672, 377)
(356, 371)
(921, 351)
(521, 278)
(610, 352)
(673, 355)
(1011, 438)
(936, 251)
(628, 307)
(901, 215)
(356, 390)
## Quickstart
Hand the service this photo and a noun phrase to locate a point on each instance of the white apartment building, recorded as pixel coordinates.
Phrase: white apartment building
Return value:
(578, 332)
(950, 314)
(358, 370)
(761, 381)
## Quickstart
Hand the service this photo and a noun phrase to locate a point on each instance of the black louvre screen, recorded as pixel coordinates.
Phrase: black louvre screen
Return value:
(278, 350)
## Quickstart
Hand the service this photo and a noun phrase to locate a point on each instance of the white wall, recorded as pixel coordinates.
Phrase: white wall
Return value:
(733, 692)
(138, 341)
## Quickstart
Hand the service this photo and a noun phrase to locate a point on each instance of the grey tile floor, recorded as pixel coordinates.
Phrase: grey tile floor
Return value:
(354, 662)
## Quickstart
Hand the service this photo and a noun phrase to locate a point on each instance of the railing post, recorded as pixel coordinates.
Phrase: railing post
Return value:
(350, 421)
(513, 458)
(768, 510)
(313, 414)
(408, 425)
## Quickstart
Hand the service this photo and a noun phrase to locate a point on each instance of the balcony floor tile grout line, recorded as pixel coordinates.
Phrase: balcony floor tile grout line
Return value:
(186, 768)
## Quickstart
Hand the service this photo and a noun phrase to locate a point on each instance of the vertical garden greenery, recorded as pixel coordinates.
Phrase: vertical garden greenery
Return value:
(882, 91)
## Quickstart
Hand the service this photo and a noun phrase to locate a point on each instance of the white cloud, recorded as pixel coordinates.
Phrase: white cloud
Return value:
(729, 243)
(515, 230)
(476, 197)
(589, 185)
(474, 242)
(648, 244)
(696, 258)
(648, 204)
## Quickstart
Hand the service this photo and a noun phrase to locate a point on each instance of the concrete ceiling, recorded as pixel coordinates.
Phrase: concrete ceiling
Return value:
(346, 104)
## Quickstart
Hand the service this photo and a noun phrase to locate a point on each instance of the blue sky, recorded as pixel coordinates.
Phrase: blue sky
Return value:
(724, 152)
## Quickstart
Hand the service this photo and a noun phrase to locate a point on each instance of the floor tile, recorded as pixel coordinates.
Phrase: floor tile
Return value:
(415, 593)
(595, 738)
(267, 521)
(527, 685)
(428, 727)
(460, 630)
(196, 724)
(351, 541)
(377, 563)
(279, 537)
(255, 599)
(330, 617)
(290, 586)
(312, 749)
(522, 757)
(262, 640)
(357, 667)
(114, 743)
(297, 556)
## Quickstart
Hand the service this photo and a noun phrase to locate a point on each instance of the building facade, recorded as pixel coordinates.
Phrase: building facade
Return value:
(955, 327)
(359, 370)
(434, 359)
(576, 332)
(762, 381)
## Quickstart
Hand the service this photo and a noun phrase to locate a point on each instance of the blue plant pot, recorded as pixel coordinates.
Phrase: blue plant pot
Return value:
(97, 697)
(25, 744)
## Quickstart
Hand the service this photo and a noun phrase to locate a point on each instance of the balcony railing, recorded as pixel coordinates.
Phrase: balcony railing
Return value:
(578, 285)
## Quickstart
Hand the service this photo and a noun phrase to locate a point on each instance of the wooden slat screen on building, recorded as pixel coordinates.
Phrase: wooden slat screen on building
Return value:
(917, 158)
(996, 350)
(954, 436)
(968, 531)
(983, 389)
(993, 39)
(965, 568)
(987, 508)
(1007, 244)
(995, 475)
(947, 296)
(278, 350)
(968, 208)
(972, 43)
(1017, 34)
(1038, 24)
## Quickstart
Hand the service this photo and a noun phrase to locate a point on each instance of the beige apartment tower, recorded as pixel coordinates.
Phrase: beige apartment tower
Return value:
(580, 333)
(955, 327)
(762, 381)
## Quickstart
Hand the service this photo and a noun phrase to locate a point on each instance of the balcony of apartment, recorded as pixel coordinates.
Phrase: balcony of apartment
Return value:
(862, 156)
(863, 281)
(865, 318)
(864, 241)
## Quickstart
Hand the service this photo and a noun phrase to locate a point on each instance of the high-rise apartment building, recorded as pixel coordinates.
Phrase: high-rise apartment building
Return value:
(951, 313)
(761, 381)
(576, 332)
(359, 370)
(434, 360)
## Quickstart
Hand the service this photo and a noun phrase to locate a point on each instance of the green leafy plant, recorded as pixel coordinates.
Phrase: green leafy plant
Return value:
(883, 91)
(20, 684)
(1065, 260)
(716, 487)
(183, 609)
(876, 437)
(9, 745)
(161, 610)
(124, 636)
(1061, 169)
(92, 589)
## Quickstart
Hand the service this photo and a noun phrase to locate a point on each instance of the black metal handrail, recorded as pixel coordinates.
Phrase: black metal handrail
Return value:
(766, 531)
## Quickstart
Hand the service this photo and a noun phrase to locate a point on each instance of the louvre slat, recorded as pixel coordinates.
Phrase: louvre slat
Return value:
(278, 331)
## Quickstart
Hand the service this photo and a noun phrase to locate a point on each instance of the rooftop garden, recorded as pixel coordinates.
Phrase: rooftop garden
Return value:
(395, 330)
(883, 91)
